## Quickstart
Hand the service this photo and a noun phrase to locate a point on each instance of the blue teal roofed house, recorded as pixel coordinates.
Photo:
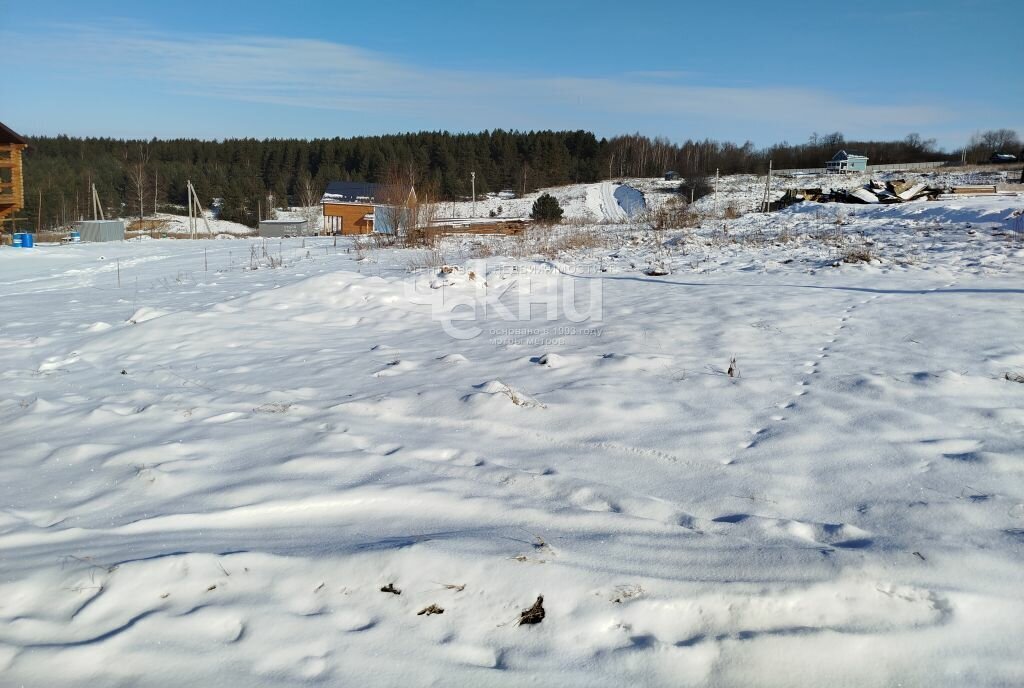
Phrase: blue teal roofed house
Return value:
(845, 161)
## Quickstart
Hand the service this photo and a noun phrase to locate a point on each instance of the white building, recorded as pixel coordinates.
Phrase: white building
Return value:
(843, 162)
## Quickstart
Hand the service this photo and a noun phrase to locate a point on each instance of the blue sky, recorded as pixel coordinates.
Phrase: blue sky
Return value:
(728, 70)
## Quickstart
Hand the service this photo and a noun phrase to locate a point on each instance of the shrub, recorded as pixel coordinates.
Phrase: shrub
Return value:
(547, 210)
(551, 245)
(858, 254)
(695, 188)
(674, 214)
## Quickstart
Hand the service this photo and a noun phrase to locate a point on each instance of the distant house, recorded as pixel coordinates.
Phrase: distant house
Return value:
(360, 208)
(349, 207)
(12, 185)
(671, 176)
(1003, 157)
(844, 161)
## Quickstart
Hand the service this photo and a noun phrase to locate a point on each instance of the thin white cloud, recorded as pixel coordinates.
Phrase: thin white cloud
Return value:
(325, 75)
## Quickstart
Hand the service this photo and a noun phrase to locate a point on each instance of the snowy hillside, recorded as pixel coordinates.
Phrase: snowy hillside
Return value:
(581, 202)
(290, 463)
(178, 225)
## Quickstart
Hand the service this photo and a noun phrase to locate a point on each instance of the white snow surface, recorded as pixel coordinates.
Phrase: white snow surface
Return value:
(207, 476)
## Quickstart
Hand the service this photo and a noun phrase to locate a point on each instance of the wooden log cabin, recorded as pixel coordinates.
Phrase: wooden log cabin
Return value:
(12, 182)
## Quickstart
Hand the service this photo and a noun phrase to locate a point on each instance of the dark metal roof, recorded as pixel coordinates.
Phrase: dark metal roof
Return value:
(7, 135)
(349, 192)
(846, 155)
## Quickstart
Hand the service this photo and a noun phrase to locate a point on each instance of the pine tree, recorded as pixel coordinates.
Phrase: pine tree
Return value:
(546, 210)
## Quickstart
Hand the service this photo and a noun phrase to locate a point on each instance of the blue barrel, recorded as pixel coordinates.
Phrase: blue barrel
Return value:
(76, 237)
(18, 240)
(27, 240)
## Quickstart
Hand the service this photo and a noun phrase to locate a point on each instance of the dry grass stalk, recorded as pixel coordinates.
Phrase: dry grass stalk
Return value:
(426, 260)
(858, 254)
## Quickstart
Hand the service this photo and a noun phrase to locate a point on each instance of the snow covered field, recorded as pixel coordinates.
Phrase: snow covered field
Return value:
(209, 472)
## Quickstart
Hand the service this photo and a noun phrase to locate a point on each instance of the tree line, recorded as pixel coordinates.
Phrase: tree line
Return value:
(249, 177)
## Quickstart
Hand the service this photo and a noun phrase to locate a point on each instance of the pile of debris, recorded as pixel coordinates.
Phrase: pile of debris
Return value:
(894, 191)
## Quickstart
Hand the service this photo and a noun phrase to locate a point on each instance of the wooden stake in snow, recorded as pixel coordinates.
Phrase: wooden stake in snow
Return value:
(716, 190)
(766, 201)
(191, 225)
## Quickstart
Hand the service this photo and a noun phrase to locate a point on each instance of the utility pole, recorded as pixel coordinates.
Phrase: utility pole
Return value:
(716, 190)
(472, 177)
(196, 210)
(97, 207)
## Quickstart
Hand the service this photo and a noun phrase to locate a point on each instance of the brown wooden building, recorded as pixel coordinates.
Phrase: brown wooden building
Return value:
(350, 207)
(12, 182)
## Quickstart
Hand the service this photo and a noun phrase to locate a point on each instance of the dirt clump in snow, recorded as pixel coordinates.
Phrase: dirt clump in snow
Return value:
(533, 615)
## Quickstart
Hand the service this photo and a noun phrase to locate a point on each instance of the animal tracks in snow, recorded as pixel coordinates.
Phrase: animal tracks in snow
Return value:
(809, 370)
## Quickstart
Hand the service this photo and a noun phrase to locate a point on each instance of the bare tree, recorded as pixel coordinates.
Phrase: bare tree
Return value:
(137, 180)
(397, 196)
(983, 144)
(309, 199)
(426, 200)
(1000, 140)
